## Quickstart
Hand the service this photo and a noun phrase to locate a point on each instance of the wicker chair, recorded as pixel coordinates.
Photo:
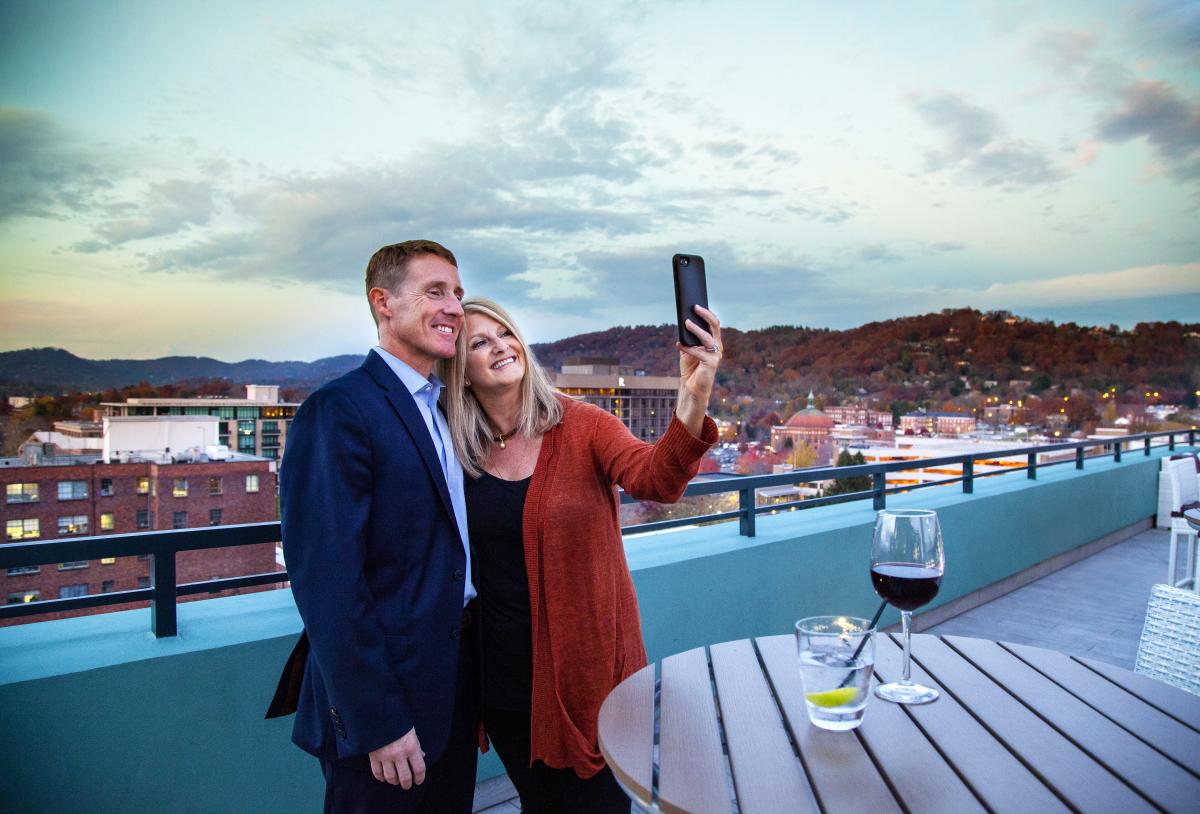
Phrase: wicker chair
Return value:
(1185, 493)
(1169, 649)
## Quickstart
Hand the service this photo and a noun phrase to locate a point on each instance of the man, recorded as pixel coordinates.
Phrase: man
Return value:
(375, 537)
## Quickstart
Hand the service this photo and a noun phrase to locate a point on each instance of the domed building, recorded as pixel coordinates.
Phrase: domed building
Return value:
(809, 425)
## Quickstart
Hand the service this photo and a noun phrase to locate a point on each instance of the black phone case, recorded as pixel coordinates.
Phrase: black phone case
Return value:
(690, 290)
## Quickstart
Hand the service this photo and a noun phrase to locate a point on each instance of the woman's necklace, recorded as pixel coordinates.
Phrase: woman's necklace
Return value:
(500, 438)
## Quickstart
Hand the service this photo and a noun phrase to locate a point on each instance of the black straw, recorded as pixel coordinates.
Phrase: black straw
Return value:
(863, 643)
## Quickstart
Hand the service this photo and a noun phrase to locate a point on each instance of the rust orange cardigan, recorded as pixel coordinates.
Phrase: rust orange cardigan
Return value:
(587, 635)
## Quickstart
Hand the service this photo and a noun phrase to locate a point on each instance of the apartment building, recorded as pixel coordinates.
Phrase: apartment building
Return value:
(256, 425)
(82, 496)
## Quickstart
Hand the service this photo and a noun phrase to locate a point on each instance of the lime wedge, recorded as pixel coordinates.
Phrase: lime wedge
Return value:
(832, 698)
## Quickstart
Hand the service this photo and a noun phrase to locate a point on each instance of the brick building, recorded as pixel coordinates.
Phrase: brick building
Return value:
(83, 496)
(944, 424)
(860, 416)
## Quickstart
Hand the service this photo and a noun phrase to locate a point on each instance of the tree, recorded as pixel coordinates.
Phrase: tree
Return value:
(802, 456)
(857, 483)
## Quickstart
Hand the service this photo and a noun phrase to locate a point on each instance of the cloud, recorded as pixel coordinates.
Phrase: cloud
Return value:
(1133, 107)
(1169, 25)
(170, 206)
(44, 171)
(1170, 124)
(1132, 283)
(976, 145)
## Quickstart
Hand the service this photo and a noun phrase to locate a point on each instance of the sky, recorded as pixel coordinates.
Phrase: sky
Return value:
(210, 178)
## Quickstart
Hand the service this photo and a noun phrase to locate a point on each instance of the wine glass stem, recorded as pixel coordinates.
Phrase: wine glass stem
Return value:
(906, 626)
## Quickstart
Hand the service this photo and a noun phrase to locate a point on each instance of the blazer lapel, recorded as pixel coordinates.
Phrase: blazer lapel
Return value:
(410, 416)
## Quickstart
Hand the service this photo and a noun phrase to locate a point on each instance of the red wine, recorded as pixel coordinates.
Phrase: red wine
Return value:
(906, 586)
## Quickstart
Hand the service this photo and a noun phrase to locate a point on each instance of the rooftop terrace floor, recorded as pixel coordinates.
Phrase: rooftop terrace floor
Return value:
(1092, 608)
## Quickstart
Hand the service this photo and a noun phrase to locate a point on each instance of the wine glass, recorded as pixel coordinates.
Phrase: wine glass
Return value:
(907, 564)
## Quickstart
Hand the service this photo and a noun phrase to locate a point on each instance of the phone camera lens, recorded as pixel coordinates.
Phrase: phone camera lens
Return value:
(683, 261)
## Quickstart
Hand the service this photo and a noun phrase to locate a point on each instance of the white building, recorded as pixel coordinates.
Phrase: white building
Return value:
(162, 437)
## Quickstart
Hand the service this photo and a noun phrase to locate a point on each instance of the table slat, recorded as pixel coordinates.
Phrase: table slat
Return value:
(1178, 741)
(1061, 764)
(766, 772)
(841, 772)
(1156, 776)
(627, 733)
(1179, 704)
(692, 773)
(916, 771)
(986, 764)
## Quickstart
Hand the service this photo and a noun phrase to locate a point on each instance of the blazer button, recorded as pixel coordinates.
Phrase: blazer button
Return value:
(458, 573)
(454, 633)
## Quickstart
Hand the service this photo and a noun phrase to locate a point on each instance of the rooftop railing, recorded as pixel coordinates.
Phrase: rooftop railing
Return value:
(163, 546)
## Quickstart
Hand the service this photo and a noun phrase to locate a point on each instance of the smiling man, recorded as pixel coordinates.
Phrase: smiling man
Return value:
(375, 537)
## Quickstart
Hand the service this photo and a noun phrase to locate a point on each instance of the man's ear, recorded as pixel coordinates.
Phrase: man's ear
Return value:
(378, 298)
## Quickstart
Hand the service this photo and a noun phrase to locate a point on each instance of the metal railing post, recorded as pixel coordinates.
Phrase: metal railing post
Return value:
(1031, 469)
(1191, 438)
(1147, 443)
(879, 490)
(1079, 457)
(163, 620)
(746, 505)
(968, 476)
(1171, 442)
(1117, 452)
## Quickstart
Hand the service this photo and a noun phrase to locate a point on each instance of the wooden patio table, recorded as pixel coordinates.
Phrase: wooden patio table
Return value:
(1017, 728)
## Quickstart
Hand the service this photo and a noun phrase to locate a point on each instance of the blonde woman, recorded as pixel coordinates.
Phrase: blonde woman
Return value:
(559, 617)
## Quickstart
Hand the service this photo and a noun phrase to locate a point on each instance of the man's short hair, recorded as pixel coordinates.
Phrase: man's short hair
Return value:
(388, 267)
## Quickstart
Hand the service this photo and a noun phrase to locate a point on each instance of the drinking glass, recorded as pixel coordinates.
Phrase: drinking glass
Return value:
(907, 564)
(837, 655)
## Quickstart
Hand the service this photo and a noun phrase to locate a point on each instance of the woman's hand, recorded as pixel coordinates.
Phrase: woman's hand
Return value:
(698, 370)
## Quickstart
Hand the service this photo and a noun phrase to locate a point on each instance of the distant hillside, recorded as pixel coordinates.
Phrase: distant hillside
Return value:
(53, 370)
(929, 357)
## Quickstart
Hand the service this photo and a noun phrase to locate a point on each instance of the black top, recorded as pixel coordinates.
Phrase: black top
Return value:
(495, 508)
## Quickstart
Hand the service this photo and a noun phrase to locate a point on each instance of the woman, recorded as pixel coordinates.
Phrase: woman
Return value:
(559, 617)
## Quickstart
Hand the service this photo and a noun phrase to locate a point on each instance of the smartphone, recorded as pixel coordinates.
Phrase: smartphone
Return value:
(690, 290)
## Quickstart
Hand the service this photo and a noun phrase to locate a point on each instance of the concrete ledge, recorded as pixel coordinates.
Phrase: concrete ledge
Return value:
(102, 717)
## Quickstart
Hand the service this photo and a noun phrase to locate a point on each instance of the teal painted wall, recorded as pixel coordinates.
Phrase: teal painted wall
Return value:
(101, 717)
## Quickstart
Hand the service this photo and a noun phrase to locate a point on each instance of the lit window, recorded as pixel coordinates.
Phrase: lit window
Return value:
(252, 483)
(180, 488)
(73, 565)
(21, 597)
(214, 486)
(143, 486)
(68, 591)
(108, 560)
(179, 520)
(75, 524)
(214, 517)
(106, 487)
(106, 521)
(22, 529)
(19, 570)
(21, 493)
(143, 518)
(72, 490)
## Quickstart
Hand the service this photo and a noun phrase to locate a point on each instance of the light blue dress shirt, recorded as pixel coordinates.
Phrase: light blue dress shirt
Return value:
(425, 393)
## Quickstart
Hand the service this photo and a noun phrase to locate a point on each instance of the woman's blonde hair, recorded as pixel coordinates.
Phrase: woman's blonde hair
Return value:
(540, 408)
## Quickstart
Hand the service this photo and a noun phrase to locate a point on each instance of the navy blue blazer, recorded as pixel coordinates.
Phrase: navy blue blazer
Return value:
(376, 565)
